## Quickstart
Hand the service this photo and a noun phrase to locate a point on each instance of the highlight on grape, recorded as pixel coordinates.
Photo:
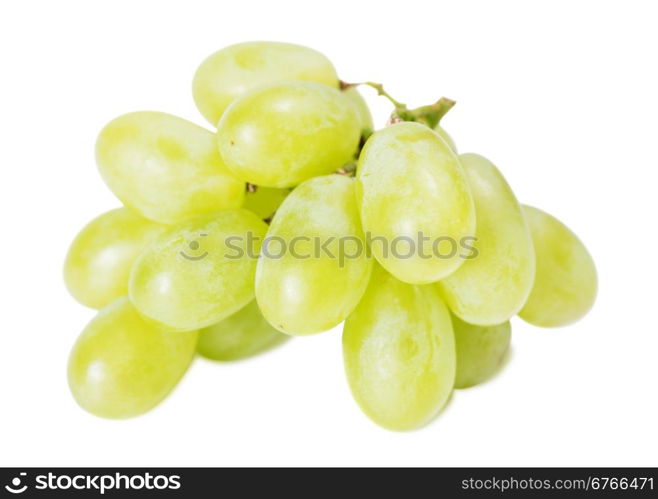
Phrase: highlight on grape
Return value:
(294, 213)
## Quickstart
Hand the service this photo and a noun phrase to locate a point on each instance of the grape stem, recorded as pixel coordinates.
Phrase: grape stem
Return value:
(428, 115)
(380, 91)
(349, 169)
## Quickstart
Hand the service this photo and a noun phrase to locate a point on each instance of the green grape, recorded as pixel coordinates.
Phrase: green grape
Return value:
(410, 185)
(565, 281)
(283, 134)
(365, 118)
(399, 353)
(165, 168)
(199, 272)
(243, 334)
(122, 366)
(264, 201)
(303, 290)
(233, 70)
(480, 350)
(446, 137)
(491, 287)
(99, 260)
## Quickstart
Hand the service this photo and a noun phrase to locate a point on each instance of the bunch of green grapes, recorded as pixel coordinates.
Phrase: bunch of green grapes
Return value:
(294, 215)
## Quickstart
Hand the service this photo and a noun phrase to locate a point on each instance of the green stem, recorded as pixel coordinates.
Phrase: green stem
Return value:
(428, 115)
(348, 169)
(380, 91)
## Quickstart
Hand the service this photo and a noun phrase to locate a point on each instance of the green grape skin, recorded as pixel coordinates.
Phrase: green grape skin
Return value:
(492, 287)
(441, 132)
(98, 263)
(241, 335)
(121, 366)
(165, 168)
(264, 201)
(199, 272)
(565, 282)
(234, 70)
(285, 133)
(365, 117)
(305, 292)
(409, 182)
(399, 353)
(480, 351)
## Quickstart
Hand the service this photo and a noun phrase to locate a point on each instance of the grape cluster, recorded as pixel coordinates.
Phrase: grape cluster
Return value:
(424, 254)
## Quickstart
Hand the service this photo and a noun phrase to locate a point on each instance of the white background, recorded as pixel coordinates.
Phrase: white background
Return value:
(563, 97)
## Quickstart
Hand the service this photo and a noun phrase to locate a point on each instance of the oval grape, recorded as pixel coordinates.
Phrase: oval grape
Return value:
(165, 168)
(122, 366)
(317, 281)
(243, 334)
(98, 263)
(493, 285)
(399, 353)
(283, 134)
(480, 351)
(411, 186)
(199, 272)
(233, 70)
(565, 282)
